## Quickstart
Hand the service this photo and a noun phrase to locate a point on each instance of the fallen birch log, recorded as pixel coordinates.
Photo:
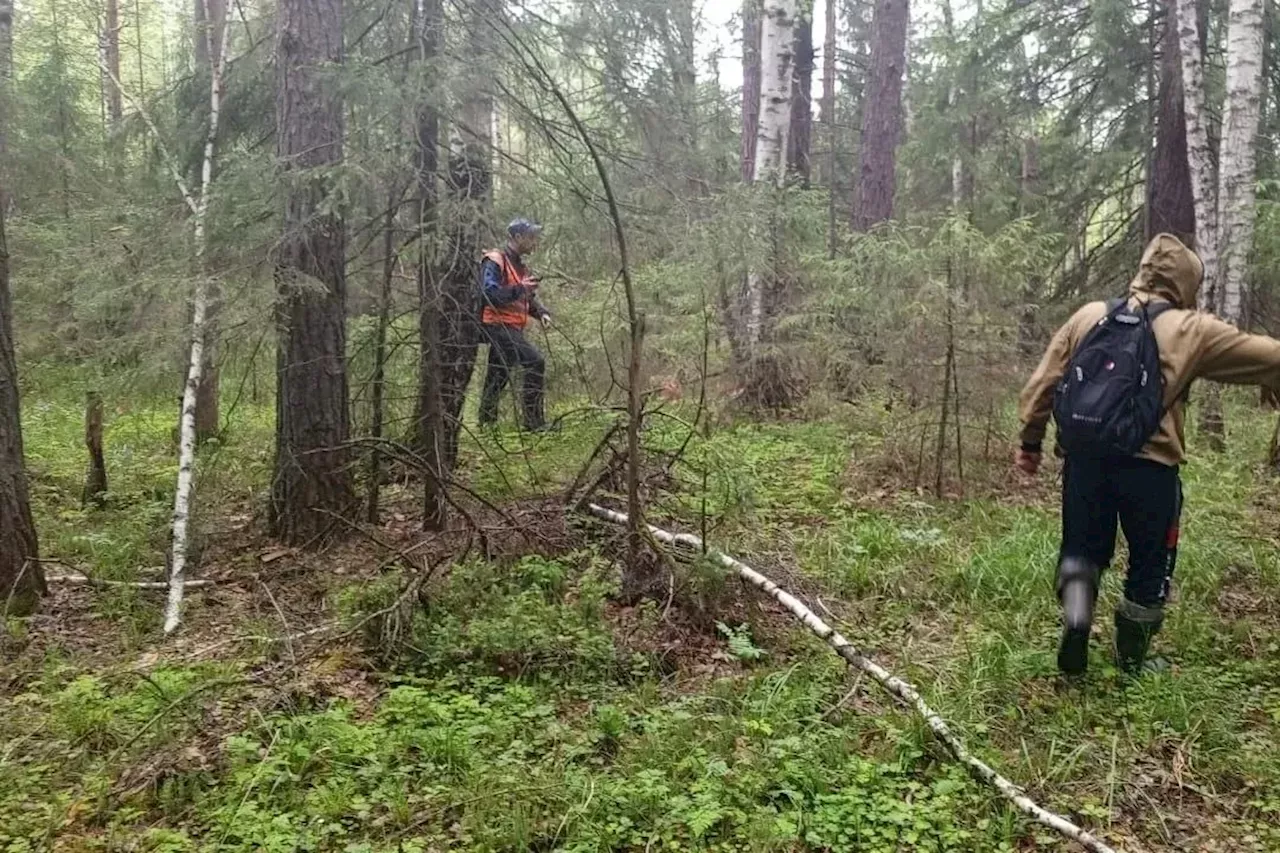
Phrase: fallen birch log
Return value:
(979, 769)
(82, 580)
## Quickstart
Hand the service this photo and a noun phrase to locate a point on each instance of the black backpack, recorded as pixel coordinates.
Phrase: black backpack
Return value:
(1111, 398)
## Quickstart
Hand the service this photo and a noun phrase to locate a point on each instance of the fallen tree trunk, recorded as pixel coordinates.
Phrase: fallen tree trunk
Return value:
(979, 769)
(82, 580)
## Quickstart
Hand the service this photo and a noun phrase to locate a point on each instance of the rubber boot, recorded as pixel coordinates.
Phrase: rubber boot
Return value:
(1135, 626)
(1078, 593)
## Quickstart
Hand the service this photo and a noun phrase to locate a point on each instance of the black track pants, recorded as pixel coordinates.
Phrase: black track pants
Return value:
(510, 349)
(1145, 499)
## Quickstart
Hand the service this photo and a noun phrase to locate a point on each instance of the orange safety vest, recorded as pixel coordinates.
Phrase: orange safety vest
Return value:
(513, 313)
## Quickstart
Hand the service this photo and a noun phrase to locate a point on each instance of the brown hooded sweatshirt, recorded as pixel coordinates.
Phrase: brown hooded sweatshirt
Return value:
(1193, 345)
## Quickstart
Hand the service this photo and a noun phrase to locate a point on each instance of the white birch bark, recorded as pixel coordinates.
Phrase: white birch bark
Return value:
(977, 768)
(195, 365)
(1238, 161)
(1199, 156)
(777, 41)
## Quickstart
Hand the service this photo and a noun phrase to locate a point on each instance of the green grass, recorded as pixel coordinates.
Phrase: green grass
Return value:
(521, 710)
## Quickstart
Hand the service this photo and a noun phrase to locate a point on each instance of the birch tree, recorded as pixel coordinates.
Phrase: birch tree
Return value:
(109, 55)
(1224, 210)
(1238, 161)
(777, 44)
(772, 129)
(196, 362)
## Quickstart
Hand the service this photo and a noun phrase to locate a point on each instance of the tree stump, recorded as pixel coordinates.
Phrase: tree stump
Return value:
(95, 481)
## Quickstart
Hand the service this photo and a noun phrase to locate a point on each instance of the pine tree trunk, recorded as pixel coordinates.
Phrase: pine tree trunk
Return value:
(312, 472)
(1238, 163)
(882, 115)
(21, 576)
(799, 139)
(1170, 203)
(110, 47)
(829, 121)
(433, 422)
(469, 185)
(1199, 155)
(1028, 204)
(680, 48)
(429, 418)
(6, 92)
(378, 385)
(751, 34)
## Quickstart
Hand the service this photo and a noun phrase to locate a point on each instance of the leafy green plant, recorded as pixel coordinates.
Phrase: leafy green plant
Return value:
(740, 643)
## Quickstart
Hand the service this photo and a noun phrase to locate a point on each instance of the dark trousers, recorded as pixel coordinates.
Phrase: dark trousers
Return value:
(1145, 498)
(510, 349)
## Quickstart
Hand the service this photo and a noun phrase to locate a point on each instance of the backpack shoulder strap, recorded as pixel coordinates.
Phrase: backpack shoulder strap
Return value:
(1154, 311)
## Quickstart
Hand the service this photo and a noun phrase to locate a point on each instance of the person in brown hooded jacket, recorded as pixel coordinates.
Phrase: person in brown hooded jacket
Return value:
(1142, 493)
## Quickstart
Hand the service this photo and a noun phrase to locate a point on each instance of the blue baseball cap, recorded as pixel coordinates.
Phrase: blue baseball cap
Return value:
(522, 227)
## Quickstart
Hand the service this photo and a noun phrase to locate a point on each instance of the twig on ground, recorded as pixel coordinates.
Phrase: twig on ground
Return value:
(279, 612)
(977, 768)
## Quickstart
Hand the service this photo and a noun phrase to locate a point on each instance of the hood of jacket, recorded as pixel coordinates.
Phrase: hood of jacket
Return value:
(1170, 271)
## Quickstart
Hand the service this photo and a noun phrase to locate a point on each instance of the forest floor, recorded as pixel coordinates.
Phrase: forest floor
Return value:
(517, 707)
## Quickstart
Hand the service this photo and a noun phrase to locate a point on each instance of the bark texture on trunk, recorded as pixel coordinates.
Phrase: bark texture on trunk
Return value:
(468, 183)
(6, 49)
(882, 115)
(1238, 162)
(751, 34)
(429, 424)
(211, 20)
(1170, 203)
(777, 63)
(21, 575)
(829, 121)
(110, 46)
(201, 302)
(95, 480)
(312, 468)
(1199, 155)
(799, 139)
(1028, 205)
(765, 380)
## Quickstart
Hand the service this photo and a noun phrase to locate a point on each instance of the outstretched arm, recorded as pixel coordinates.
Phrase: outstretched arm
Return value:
(1239, 358)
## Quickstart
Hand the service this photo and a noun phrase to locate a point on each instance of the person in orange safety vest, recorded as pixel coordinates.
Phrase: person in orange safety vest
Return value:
(510, 298)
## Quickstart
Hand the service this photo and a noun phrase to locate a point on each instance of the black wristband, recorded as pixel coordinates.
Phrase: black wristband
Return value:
(1032, 447)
